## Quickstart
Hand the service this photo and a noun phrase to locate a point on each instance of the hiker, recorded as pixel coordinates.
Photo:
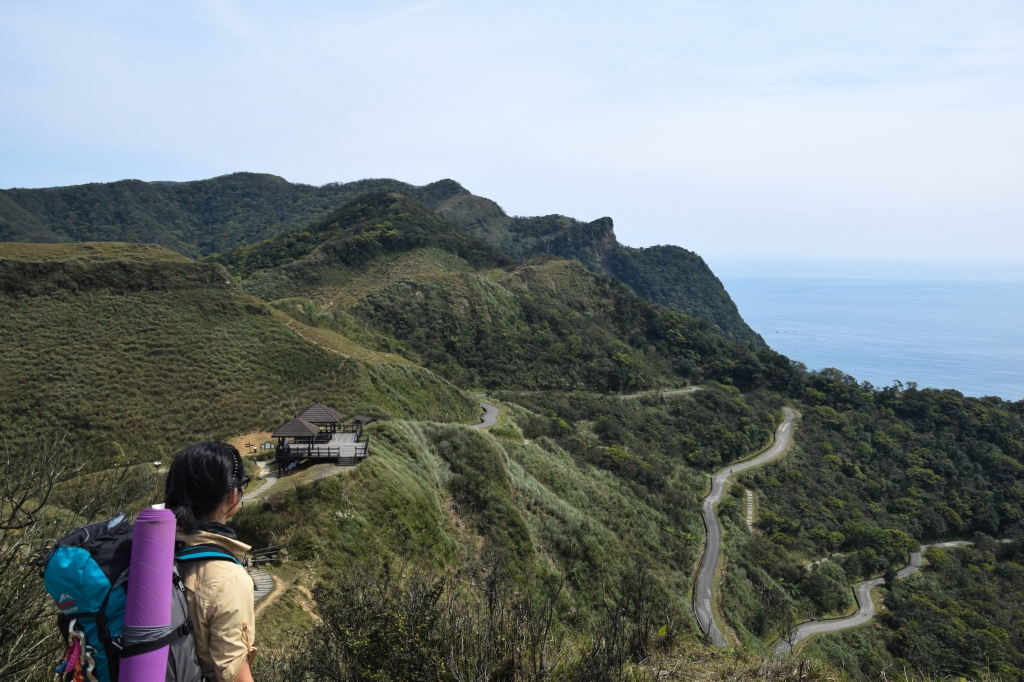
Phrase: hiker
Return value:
(204, 489)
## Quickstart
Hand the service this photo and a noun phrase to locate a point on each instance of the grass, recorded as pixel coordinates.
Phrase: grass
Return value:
(146, 356)
(335, 285)
(336, 343)
(88, 251)
(442, 496)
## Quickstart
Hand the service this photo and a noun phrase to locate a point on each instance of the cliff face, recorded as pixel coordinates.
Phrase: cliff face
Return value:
(669, 275)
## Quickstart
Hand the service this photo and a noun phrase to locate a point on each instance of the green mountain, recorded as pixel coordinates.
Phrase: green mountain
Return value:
(669, 275)
(204, 217)
(449, 299)
(131, 351)
(193, 218)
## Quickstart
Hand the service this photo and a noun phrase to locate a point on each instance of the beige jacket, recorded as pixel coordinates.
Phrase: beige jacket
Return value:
(220, 603)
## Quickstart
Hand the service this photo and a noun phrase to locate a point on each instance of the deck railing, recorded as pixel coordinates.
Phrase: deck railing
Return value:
(348, 454)
(304, 451)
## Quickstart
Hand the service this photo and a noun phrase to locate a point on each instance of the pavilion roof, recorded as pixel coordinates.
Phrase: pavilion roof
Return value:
(363, 419)
(321, 414)
(296, 428)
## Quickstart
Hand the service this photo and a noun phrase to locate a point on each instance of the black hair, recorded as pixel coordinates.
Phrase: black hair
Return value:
(200, 478)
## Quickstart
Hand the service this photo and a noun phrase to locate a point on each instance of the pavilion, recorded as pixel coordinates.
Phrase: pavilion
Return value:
(321, 433)
(299, 430)
(325, 417)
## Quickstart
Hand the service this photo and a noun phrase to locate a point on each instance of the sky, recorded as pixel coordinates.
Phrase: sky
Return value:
(839, 135)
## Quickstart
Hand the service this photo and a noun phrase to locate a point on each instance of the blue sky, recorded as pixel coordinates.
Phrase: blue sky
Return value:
(815, 132)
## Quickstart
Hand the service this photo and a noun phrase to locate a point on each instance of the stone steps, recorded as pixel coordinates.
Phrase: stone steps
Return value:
(263, 581)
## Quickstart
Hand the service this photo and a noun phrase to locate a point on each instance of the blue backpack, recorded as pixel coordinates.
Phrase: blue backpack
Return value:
(87, 576)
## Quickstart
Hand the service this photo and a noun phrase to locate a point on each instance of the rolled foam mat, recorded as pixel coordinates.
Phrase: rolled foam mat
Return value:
(149, 590)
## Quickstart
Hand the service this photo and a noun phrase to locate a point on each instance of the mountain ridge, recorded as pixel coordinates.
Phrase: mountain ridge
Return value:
(201, 217)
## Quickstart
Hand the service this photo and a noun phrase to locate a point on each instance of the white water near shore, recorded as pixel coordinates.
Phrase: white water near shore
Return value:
(967, 335)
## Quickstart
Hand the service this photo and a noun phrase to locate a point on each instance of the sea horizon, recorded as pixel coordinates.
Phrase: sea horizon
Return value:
(947, 334)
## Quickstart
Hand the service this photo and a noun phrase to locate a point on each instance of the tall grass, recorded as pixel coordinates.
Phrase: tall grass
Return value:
(146, 357)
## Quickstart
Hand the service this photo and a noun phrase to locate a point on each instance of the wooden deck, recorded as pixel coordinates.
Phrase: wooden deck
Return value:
(347, 447)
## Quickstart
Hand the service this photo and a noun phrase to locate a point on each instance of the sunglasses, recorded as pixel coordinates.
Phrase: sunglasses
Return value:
(245, 482)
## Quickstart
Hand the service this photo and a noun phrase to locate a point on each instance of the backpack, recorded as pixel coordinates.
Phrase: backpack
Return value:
(87, 576)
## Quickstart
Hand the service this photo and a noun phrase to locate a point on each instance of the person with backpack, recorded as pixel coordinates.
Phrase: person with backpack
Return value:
(212, 627)
(204, 489)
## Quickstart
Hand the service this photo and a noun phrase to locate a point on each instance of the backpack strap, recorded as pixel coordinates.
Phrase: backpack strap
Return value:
(208, 552)
(166, 639)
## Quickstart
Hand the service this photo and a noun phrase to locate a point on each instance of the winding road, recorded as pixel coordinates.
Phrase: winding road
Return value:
(704, 586)
(488, 418)
(865, 604)
(490, 412)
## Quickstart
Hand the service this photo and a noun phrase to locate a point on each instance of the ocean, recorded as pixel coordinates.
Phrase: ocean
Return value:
(967, 335)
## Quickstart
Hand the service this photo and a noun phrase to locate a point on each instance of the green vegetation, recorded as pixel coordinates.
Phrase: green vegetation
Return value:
(875, 472)
(925, 463)
(387, 272)
(457, 506)
(681, 280)
(442, 496)
(964, 614)
(361, 230)
(551, 324)
(193, 218)
(379, 303)
(204, 217)
(148, 354)
(667, 275)
(960, 616)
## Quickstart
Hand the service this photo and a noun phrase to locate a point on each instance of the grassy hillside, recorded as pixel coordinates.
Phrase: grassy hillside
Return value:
(551, 324)
(492, 507)
(139, 349)
(402, 279)
(372, 225)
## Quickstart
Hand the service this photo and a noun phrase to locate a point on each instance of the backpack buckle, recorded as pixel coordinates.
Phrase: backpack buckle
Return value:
(104, 630)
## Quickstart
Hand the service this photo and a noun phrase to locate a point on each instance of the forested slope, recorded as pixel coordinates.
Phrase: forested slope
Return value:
(669, 275)
(194, 218)
(135, 350)
(875, 473)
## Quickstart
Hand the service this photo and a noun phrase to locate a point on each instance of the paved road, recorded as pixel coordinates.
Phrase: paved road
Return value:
(865, 604)
(713, 546)
(673, 391)
(488, 418)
